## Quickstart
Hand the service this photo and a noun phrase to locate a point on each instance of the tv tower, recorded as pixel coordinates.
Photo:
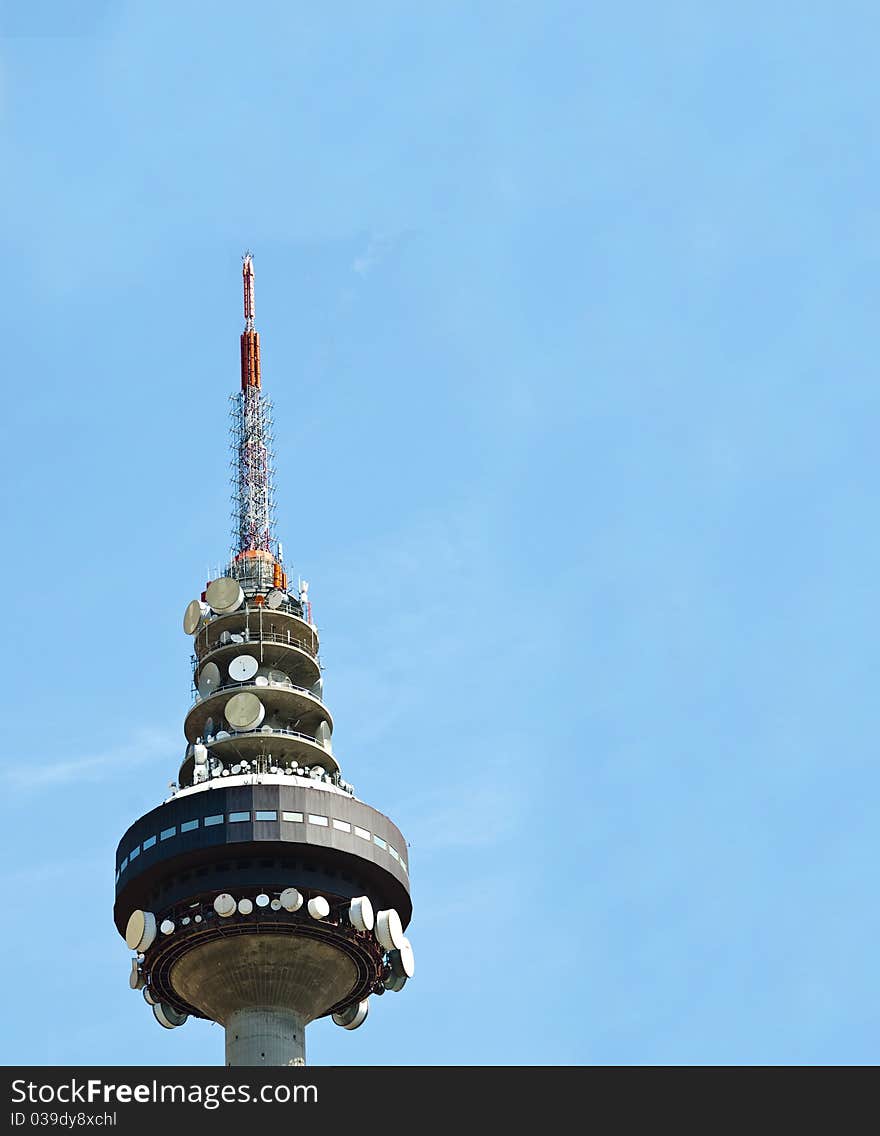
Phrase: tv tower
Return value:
(262, 894)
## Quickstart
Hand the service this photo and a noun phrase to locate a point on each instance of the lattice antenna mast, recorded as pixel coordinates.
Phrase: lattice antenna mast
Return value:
(253, 498)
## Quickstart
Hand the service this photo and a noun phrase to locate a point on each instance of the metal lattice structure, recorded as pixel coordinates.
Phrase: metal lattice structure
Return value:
(253, 471)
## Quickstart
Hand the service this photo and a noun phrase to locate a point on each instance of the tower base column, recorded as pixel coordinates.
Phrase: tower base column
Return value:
(265, 1037)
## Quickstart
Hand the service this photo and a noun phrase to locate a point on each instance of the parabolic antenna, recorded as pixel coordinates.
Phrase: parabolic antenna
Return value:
(353, 1016)
(319, 908)
(243, 667)
(224, 595)
(403, 963)
(245, 906)
(275, 904)
(389, 930)
(236, 638)
(262, 900)
(136, 978)
(200, 754)
(261, 680)
(278, 677)
(209, 679)
(275, 598)
(194, 617)
(291, 900)
(148, 997)
(360, 912)
(167, 1016)
(395, 982)
(244, 711)
(140, 930)
(224, 905)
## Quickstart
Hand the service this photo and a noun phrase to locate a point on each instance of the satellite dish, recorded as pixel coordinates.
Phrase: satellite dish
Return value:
(275, 598)
(319, 908)
(245, 906)
(167, 1016)
(225, 638)
(166, 927)
(262, 900)
(136, 978)
(224, 595)
(235, 638)
(275, 904)
(185, 921)
(389, 930)
(197, 919)
(195, 616)
(209, 679)
(403, 963)
(360, 913)
(291, 900)
(200, 754)
(236, 769)
(140, 931)
(244, 711)
(243, 667)
(224, 905)
(261, 680)
(221, 734)
(353, 1016)
(148, 997)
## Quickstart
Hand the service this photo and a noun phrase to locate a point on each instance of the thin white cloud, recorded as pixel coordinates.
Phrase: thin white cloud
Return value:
(143, 747)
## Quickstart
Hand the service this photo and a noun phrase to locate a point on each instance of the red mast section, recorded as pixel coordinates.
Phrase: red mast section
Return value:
(250, 339)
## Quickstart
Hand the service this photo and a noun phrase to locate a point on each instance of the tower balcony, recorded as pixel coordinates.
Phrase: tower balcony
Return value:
(281, 744)
(253, 624)
(272, 650)
(286, 706)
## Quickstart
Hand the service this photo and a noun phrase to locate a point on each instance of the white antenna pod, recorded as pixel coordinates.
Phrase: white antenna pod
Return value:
(243, 667)
(209, 679)
(360, 913)
(353, 1016)
(244, 711)
(319, 908)
(195, 616)
(291, 900)
(389, 930)
(140, 931)
(224, 595)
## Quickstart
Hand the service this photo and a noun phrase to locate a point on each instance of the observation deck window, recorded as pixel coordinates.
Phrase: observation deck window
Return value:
(235, 818)
(189, 825)
(379, 841)
(265, 814)
(321, 820)
(293, 817)
(342, 825)
(149, 842)
(362, 833)
(213, 820)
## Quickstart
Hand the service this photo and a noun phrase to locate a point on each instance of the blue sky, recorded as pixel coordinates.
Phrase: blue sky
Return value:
(567, 316)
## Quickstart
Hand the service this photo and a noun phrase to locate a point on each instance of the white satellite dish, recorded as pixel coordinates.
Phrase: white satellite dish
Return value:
(291, 900)
(319, 908)
(197, 919)
(224, 905)
(243, 667)
(148, 997)
(360, 912)
(245, 906)
(221, 734)
(389, 930)
(167, 1016)
(261, 680)
(140, 931)
(353, 1016)
(262, 900)
(136, 978)
(167, 927)
(195, 616)
(209, 679)
(275, 904)
(236, 769)
(395, 982)
(275, 598)
(403, 963)
(200, 754)
(224, 595)
(236, 638)
(244, 711)
(266, 730)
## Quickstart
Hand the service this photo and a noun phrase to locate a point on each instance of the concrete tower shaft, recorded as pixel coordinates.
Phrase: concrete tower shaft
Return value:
(262, 893)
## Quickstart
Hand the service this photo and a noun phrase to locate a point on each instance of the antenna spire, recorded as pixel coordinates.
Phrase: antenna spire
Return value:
(252, 457)
(250, 339)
